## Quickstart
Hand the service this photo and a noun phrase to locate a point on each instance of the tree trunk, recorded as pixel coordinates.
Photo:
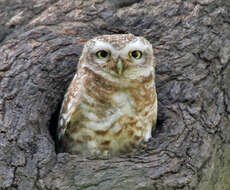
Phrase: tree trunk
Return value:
(40, 44)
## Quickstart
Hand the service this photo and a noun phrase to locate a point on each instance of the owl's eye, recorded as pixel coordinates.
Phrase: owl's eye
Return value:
(136, 54)
(102, 54)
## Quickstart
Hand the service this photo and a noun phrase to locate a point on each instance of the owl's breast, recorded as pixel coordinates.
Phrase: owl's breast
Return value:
(101, 116)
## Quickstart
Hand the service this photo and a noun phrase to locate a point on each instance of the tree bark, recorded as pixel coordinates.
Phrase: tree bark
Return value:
(40, 44)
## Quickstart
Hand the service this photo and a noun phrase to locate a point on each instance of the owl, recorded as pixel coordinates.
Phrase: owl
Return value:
(111, 104)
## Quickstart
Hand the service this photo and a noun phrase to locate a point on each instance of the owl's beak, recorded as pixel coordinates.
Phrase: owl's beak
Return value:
(120, 67)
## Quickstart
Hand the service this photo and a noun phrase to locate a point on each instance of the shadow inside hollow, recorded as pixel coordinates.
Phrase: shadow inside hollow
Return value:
(54, 124)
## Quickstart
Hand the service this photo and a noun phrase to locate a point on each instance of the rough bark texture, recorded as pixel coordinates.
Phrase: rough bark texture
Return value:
(40, 43)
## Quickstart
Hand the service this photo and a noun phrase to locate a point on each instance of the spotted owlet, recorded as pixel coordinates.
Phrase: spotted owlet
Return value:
(111, 103)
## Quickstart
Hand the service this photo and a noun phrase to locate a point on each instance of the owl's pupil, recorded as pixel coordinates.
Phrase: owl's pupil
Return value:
(104, 53)
(136, 54)
(101, 54)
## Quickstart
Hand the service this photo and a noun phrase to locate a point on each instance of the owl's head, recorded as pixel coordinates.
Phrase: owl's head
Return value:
(121, 56)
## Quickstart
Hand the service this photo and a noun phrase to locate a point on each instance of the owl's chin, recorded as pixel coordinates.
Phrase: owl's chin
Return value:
(131, 73)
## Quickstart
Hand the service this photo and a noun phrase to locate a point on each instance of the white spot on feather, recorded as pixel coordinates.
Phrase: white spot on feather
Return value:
(70, 103)
(91, 116)
(75, 77)
(148, 133)
(61, 122)
(65, 115)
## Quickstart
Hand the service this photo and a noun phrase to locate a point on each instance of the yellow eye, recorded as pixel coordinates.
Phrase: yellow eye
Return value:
(102, 54)
(136, 54)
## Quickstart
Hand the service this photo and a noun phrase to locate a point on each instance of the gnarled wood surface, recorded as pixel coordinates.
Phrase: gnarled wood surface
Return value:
(40, 43)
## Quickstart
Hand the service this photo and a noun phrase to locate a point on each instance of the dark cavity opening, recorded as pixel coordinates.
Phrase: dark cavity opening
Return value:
(54, 124)
(161, 118)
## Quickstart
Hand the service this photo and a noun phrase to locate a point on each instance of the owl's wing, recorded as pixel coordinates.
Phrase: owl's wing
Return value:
(69, 107)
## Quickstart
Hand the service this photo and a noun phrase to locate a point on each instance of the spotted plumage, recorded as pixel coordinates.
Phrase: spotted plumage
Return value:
(111, 103)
